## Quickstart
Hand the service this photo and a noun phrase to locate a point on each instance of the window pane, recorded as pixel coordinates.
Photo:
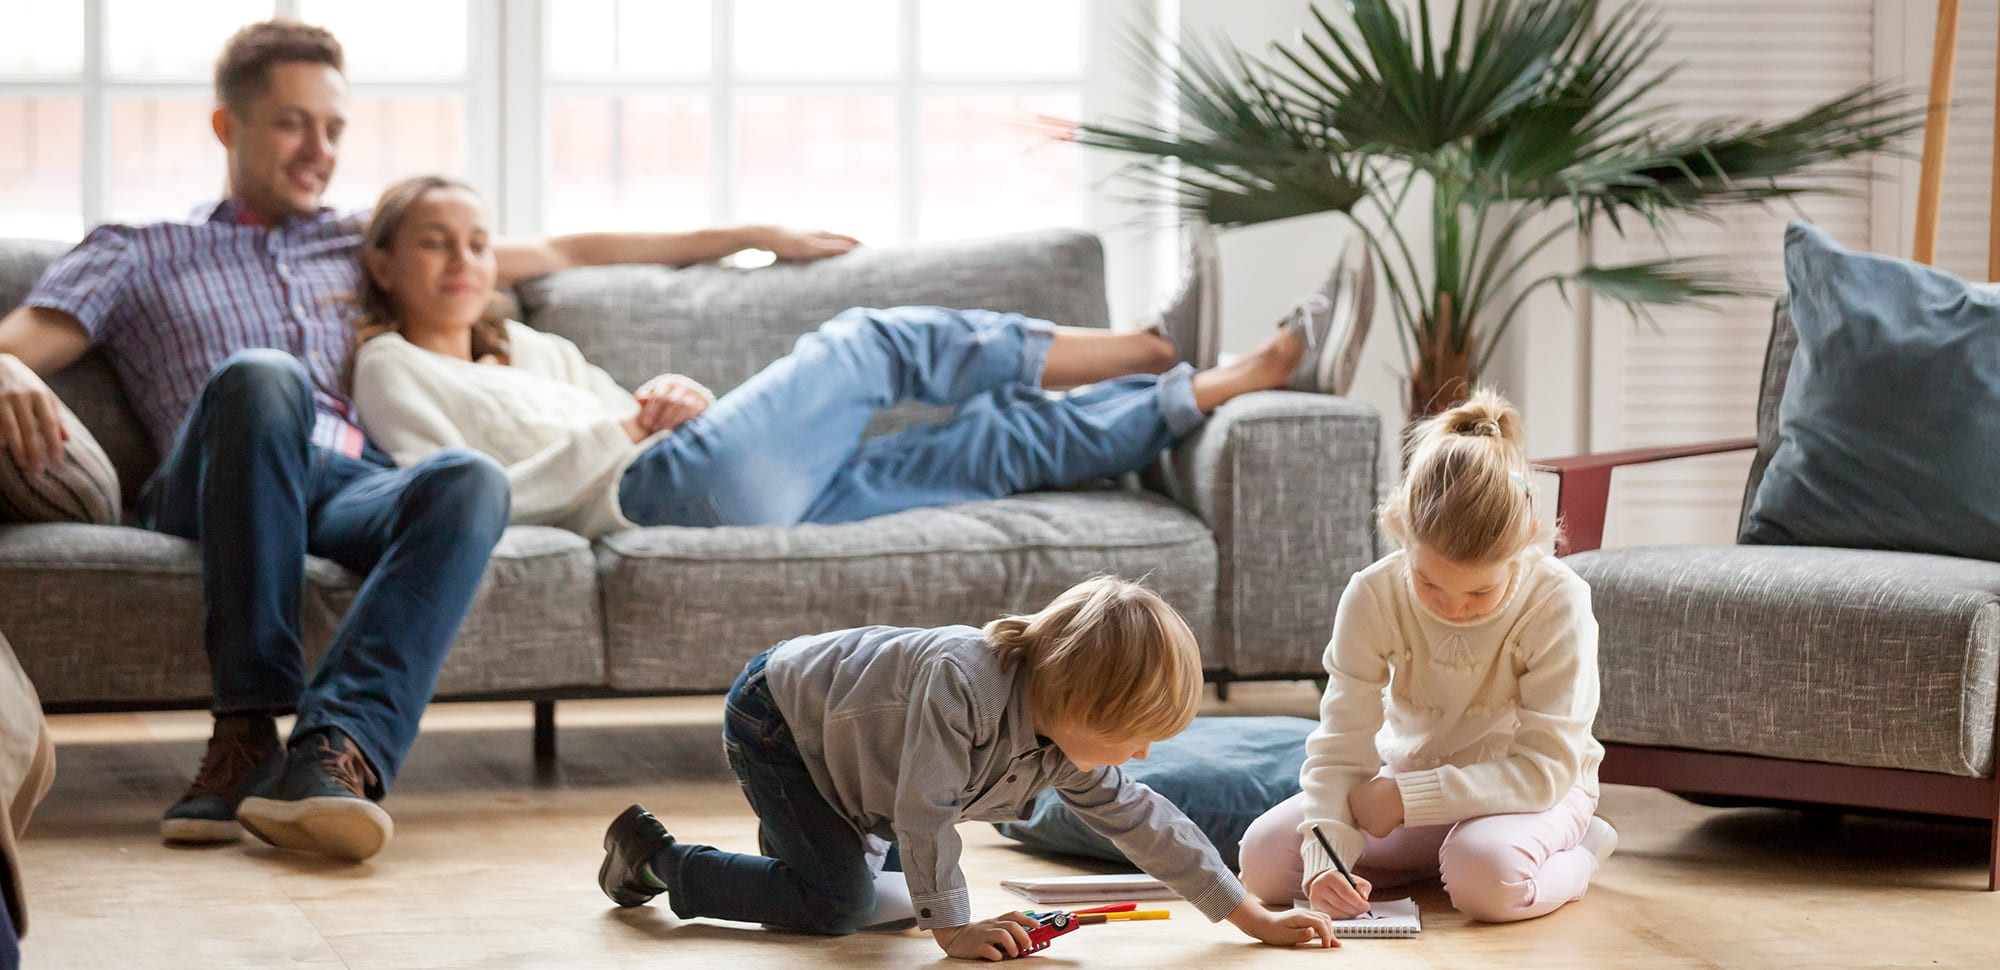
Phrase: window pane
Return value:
(395, 38)
(165, 160)
(815, 38)
(41, 167)
(41, 37)
(390, 139)
(1019, 37)
(175, 39)
(985, 170)
(629, 37)
(628, 163)
(818, 163)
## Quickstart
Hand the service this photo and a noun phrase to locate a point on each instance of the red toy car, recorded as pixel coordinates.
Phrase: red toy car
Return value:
(1052, 926)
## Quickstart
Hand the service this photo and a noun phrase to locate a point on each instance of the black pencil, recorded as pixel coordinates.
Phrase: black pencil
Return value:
(1335, 856)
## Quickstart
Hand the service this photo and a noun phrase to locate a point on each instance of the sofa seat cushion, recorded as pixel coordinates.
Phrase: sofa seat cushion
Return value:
(1877, 659)
(103, 613)
(535, 623)
(684, 608)
(69, 596)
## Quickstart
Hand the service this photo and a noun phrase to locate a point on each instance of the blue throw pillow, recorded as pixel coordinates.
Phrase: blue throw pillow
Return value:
(1222, 771)
(1889, 429)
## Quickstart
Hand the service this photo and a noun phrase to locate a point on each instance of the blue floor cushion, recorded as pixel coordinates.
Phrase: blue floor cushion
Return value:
(1222, 771)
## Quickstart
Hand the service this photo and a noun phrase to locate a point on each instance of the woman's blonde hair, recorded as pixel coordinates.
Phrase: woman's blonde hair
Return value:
(1108, 659)
(377, 314)
(1466, 495)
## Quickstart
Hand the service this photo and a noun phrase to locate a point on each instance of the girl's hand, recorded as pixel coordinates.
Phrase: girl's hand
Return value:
(1000, 938)
(1330, 894)
(633, 429)
(667, 404)
(1377, 806)
(1289, 928)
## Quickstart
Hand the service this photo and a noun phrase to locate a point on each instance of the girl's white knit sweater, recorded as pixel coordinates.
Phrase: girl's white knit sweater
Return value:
(1486, 717)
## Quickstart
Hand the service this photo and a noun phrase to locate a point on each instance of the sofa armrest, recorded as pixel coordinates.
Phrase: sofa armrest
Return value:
(1583, 485)
(1287, 483)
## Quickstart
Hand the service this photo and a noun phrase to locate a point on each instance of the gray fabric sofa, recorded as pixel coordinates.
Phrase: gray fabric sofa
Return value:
(1842, 677)
(1251, 527)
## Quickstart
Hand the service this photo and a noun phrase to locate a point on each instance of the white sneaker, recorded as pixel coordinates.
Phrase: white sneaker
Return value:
(1600, 840)
(1191, 319)
(1350, 287)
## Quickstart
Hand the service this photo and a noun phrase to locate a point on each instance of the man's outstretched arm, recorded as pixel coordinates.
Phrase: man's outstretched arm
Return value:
(522, 258)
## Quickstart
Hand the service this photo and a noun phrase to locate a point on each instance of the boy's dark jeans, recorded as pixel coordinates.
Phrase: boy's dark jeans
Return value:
(817, 877)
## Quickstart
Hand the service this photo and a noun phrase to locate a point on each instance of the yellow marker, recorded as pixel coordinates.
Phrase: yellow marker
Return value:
(1120, 917)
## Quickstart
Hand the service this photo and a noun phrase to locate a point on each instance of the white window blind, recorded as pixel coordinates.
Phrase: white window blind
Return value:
(1695, 377)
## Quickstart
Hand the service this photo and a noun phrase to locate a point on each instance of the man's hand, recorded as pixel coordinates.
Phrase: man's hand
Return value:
(1330, 894)
(793, 244)
(666, 403)
(1000, 938)
(30, 417)
(1289, 928)
(1377, 806)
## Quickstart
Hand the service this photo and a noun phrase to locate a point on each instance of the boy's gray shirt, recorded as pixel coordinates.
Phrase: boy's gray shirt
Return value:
(908, 732)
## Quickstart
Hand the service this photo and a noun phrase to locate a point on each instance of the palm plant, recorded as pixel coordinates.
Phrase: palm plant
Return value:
(1526, 106)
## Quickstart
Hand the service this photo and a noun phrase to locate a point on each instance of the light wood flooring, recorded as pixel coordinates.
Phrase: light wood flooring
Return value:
(492, 867)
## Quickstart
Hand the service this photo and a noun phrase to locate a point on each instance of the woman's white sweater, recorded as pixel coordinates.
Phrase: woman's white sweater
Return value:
(1487, 717)
(549, 416)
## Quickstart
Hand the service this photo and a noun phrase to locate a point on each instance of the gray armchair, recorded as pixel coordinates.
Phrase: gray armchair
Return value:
(1840, 677)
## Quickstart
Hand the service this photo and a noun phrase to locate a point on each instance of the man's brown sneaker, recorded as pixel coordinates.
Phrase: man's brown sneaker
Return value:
(321, 802)
(243, 754)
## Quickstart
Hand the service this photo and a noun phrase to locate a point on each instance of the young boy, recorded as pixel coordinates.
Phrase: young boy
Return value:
(846, 742)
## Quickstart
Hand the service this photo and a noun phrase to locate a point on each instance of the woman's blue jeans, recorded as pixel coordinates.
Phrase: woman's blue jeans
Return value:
(786, 447)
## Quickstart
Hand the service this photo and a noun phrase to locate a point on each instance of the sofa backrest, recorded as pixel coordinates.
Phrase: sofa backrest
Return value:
(720, 325)
(715, 324)
(88, 386)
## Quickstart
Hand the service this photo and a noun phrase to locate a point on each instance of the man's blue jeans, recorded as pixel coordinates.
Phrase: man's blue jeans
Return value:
(815, 876)
(786, 446)
(244, 480)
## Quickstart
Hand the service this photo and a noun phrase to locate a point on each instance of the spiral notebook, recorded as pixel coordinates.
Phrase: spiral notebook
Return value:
(1390, 918)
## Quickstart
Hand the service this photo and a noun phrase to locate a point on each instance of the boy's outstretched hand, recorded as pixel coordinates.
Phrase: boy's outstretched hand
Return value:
(1000, 938)
(1290, 928)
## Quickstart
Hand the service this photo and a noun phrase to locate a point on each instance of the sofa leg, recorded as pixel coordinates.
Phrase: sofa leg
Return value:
(545, 734)
(1993, 861)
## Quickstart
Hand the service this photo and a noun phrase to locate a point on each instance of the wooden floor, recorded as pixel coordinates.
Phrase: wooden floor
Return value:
(492, 867)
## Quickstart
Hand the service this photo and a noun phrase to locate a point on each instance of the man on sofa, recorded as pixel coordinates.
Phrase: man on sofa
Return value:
(231, 337)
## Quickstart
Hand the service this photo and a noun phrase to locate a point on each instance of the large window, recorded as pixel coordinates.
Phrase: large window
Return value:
(890, 119)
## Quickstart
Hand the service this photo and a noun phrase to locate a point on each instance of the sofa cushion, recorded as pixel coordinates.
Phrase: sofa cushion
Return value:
(684, 608)
(70, 594)
(80, 487)
(1878, 659)
(1890, 412)
(535, 623)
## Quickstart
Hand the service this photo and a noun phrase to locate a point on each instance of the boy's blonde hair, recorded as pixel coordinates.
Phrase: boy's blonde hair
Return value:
(1466, 496)
(1108, 659)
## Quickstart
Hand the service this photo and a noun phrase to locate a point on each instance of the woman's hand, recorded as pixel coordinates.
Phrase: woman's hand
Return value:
(1330, 894)
(1377, 806)
(633, 429)
(1000, 938)
(666, 403)
(1289, 928)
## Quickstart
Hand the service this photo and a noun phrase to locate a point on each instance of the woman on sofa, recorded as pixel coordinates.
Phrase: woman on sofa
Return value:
(439, 366)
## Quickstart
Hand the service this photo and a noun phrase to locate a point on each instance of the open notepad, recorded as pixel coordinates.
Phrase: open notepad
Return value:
(1114, 888)
(1390, 918)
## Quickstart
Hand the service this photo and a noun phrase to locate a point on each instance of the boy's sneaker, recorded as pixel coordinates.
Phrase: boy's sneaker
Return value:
(320, 803)
(631, 841)
(243, 753)
(1600, 839)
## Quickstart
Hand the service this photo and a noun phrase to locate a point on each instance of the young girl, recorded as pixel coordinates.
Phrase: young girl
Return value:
(786, 446)
(1479, 764)
(847, 742)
